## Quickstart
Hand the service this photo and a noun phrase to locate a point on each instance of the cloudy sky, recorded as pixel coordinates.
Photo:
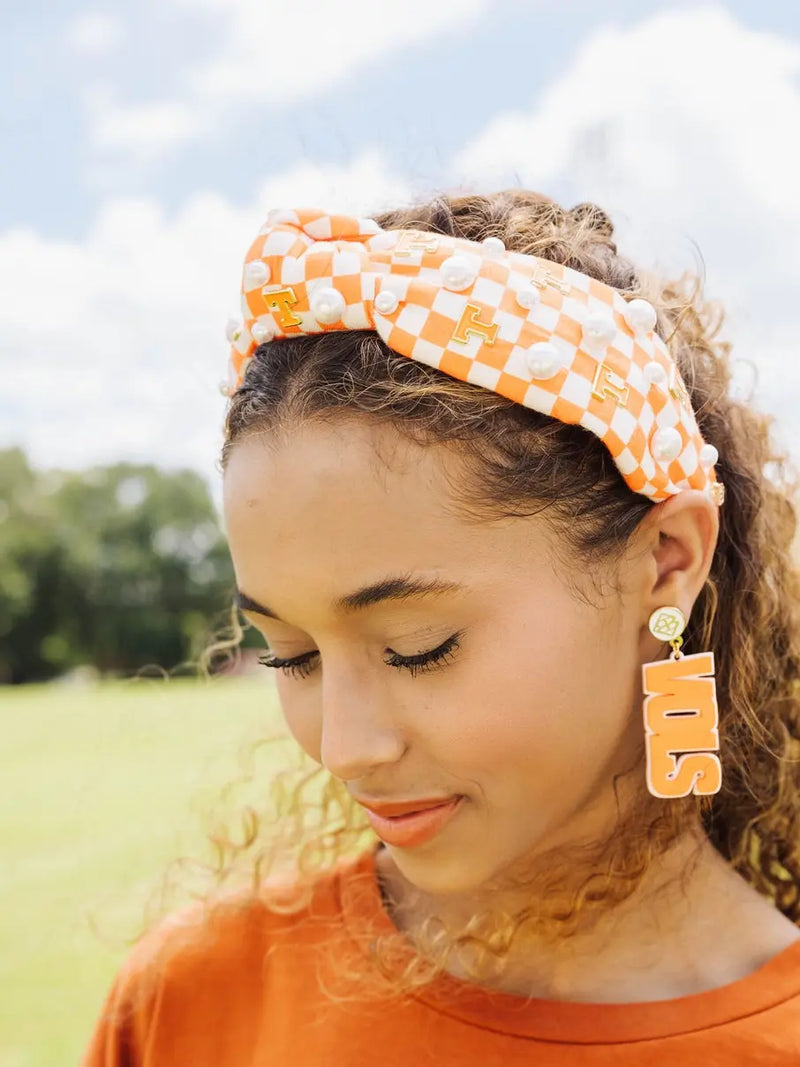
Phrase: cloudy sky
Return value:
(142, 143)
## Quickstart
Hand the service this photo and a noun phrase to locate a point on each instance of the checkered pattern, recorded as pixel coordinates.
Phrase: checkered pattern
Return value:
(306, 251)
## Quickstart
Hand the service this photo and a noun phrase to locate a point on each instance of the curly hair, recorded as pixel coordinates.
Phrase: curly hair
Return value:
(746, 613)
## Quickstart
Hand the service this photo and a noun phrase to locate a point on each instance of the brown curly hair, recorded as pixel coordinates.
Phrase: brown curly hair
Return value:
(520, 462)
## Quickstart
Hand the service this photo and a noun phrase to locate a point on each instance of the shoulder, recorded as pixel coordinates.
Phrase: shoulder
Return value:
(215, 964)
(244, 928)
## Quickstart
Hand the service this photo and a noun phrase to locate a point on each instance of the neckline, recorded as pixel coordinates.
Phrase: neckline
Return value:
(570, 1022)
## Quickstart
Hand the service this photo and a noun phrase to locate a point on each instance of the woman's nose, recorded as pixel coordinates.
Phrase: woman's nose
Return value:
(359, 731)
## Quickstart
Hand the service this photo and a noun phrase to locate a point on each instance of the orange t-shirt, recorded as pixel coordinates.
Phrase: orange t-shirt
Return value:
(255, 992)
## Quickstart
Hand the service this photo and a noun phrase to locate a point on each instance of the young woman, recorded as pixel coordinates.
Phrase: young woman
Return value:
(523, 567)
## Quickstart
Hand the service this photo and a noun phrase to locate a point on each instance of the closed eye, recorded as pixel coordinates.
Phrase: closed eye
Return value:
(302, 666)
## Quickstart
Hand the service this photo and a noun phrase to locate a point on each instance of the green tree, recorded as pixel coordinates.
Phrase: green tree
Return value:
(119, 566)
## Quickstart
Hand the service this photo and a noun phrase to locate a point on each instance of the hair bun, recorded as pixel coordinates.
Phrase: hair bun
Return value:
(595, 216)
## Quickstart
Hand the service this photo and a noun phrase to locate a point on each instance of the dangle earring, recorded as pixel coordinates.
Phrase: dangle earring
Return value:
(681, 717)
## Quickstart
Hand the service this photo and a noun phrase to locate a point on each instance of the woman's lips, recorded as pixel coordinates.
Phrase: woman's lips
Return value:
(415, 828)
(390, 808)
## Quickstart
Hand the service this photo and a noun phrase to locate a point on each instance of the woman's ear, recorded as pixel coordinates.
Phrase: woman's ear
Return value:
(680, 535)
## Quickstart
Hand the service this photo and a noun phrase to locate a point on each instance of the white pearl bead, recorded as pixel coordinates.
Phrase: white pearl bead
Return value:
(256, 273)
(708, 457)
(667, 444)
(599, 328)
(494, 246)
(327, 305)
(457, 273)
(383, 241)
(225, 389)
(528, 298)
(279, 215)
(261, 332)
(386, 302)
(544, 360)
(655, 374)
(640, 315)
(369, 226)
(233, 330)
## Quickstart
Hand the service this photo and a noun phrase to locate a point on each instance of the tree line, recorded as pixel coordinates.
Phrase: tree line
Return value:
(117, 566)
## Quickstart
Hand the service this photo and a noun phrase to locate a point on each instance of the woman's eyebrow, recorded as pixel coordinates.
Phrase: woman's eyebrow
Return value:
(387, 589)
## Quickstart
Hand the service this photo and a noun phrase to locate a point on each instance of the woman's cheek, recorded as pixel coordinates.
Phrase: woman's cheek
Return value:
(300, 714)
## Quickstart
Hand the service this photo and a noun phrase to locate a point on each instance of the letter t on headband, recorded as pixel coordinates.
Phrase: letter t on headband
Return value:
(535, 331)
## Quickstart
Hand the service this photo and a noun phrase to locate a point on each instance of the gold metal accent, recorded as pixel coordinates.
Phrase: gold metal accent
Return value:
(280, 300)
(607, 383)
(716, 492)
(542, 278)
(675, 644)
(470, 324)
(415, 241)
(678, 389)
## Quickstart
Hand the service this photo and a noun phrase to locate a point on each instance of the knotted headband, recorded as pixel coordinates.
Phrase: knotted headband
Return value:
(535, 331)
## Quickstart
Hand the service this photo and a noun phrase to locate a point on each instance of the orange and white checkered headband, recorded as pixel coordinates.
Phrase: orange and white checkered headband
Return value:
(540, 333)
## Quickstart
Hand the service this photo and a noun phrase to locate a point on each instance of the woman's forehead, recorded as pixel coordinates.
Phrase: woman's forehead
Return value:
(359, 470)
(321, 502)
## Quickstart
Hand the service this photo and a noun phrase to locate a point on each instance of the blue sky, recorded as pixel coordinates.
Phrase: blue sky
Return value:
(142, 144)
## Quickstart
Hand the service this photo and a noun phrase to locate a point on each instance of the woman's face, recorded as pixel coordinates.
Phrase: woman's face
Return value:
(528, 715)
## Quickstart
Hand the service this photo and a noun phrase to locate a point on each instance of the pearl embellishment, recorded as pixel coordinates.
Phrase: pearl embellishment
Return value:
(640, 315)
(256, 273)
(457, 273)
(494, 246)
(528, 298)
(599, 328)
(708, 457)
(386, 302)
(327, 305)
(233, 330)
(667, 444)
(383, 241)
(544, 360)
(655, 374)
(279, 215)
(261, 332)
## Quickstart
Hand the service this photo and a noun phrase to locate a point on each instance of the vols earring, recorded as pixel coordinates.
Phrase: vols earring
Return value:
(681, 717)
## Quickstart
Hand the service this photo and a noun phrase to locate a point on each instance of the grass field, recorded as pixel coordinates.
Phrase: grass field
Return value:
(101, 787)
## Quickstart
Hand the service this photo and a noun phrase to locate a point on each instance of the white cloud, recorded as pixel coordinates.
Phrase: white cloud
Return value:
(94, 33)
(143, 130)
(270, 52)
(281, 51)
(681, 127)
(115, 346)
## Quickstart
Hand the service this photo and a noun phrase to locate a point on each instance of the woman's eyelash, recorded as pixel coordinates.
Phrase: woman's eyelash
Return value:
(297, 667)
(424, 661)
(302, 666)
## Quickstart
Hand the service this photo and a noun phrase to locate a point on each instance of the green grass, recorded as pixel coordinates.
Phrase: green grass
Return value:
(100, 788)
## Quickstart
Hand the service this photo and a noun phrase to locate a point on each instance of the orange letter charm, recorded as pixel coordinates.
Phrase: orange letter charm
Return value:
(416, 241)
(681, 721)
(470, 324)
(280, 301)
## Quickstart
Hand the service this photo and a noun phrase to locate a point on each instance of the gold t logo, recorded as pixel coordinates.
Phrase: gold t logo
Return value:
(415, 241)
(470, 323)
(279, 301)
(542, 278)
(606, 383)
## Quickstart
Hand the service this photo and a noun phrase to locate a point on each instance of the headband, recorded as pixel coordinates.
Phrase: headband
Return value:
(535, 331)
